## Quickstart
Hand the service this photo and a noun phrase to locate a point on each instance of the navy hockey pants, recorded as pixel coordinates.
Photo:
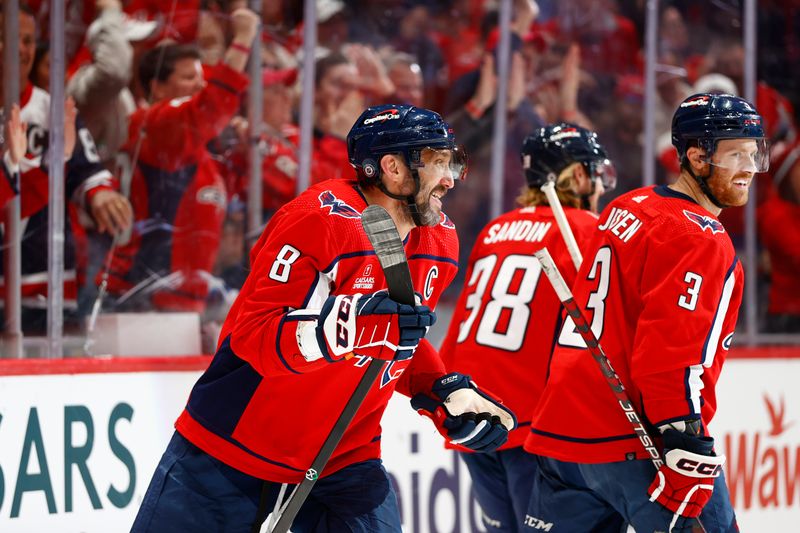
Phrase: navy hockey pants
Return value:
(570, 497)
(193, 492)
(501, 482)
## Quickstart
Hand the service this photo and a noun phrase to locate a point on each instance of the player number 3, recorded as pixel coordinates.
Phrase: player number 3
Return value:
(689, 300)
(600, 271)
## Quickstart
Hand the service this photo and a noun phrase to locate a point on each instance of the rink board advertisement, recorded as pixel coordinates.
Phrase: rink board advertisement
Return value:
(77, 450)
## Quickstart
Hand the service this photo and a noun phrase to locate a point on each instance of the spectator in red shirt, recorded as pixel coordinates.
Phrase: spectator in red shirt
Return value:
(178, 195)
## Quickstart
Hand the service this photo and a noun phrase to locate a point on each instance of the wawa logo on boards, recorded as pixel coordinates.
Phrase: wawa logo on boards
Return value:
(763, 467)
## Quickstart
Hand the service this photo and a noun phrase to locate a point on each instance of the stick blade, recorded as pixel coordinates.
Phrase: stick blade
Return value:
(388, 246)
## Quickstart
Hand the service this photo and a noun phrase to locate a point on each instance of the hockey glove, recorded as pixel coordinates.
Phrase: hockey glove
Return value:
(466, 415)
(685, 481)
(371, 325)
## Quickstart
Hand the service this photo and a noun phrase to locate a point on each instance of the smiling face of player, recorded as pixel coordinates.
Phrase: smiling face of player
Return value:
(437, 169)
(436, 177)
(733, 166)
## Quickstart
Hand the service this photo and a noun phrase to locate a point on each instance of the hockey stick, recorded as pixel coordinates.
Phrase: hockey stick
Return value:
(549, 189)
(388, 246)
(593, 345)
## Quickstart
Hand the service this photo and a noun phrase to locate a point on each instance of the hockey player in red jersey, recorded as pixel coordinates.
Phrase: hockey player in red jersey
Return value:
(281, 374)
(505, 320)
(661, 289)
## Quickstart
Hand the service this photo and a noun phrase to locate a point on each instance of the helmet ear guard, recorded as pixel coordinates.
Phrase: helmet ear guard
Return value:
(370, 168)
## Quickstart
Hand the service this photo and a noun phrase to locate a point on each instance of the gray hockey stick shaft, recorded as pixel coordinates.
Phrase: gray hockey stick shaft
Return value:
(388, 246)
(549, 189)
(593, 345)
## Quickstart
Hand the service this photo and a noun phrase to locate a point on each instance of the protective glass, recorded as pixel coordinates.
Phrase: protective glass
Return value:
(741, 155)
(442, 160)
(604, 171)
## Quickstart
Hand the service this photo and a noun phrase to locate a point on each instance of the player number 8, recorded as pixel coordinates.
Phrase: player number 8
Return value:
(282, 265)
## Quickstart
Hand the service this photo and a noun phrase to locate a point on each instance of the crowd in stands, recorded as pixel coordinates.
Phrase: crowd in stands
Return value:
(157, 170)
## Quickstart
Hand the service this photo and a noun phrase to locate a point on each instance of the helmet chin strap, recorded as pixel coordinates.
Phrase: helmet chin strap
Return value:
(411, 199)
(702, 181)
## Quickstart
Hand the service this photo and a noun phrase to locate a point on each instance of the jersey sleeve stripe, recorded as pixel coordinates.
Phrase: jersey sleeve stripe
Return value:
(434, 258)
(345, 256)
(301, 315)
(712, 341)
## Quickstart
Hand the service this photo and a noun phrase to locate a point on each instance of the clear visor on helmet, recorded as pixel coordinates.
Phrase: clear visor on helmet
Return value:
(444, 161)
(604, 171)
(740, 155)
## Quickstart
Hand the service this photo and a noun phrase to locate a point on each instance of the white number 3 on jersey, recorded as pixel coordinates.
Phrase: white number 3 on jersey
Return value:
(689, 300)
(601, 271)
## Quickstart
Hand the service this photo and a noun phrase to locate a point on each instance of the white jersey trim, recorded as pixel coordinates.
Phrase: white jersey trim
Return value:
(695, 386)
(712, 342)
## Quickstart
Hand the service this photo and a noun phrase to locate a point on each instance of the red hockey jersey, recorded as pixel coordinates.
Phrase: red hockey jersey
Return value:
(661, 289)
(506, 318)
(261, 407)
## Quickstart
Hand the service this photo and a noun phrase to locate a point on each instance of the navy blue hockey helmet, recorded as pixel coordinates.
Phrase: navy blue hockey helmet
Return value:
(703, 119)
(404, 130)
(551, 149)
(398, 129)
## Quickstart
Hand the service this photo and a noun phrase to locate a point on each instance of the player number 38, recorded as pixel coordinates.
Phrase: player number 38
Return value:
(503, 296)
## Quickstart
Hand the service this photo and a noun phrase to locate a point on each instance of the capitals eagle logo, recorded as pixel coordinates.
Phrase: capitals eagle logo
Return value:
(337, 206)
(446, 222)
(705, 222)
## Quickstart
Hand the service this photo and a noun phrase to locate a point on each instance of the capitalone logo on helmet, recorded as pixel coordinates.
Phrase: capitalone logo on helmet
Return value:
(565, 134)
(700, 100)
(391, 114)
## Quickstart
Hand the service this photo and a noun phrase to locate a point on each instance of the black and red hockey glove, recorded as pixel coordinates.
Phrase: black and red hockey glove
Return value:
(371, 325)
(685, 481)
(465, 415)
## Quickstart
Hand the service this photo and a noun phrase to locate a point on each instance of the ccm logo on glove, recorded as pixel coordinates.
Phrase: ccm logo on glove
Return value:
(695, 468)
(370, 325)
(342, 316)
(685, 482)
